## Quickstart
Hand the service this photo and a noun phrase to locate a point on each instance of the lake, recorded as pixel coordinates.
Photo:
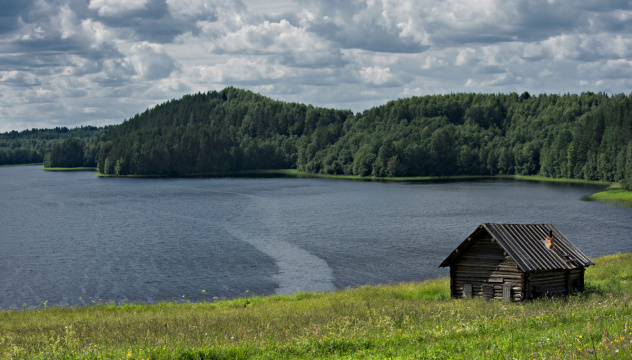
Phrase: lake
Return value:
(71, 238)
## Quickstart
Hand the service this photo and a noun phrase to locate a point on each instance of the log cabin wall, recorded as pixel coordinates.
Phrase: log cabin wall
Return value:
(554, 282)
(577, 279)
(547, 283)
(486, 268)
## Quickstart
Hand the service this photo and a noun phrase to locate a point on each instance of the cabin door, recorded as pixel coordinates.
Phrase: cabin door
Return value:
(507, 292)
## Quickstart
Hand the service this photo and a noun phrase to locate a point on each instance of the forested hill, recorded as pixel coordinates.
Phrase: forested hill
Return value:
(586, 136)
(217, 132)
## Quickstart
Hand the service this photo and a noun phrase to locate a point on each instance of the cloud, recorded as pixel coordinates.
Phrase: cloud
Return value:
(292, 45)
(194, 8)
(608, 69)
(11, 13)
(372, 25)
(376, 75)
(18, 78)
(151, 62)
(432, 62)
(240, 71)
(116, 7)
(466, 56)
(503, 79)
(61, 59)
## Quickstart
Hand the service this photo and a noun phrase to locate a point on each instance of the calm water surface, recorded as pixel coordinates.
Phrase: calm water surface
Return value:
(71, 238)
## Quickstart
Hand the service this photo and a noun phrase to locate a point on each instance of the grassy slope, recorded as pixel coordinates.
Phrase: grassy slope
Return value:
(398, 321)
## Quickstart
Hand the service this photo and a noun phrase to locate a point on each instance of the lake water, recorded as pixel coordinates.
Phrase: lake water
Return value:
(72, 238)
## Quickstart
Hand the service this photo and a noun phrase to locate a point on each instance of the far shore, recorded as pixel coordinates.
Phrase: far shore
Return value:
(9, 165)
(69, 169)
(614, 194)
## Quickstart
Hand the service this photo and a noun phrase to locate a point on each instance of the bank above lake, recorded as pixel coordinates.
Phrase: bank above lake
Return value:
(400, 321)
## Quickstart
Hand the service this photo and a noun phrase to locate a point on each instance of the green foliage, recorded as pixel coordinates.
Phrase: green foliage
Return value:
(67, 154)
(584, 136)
(404, 321)
(626, 182)
(31, 146)
(573, 136)
(215, 133)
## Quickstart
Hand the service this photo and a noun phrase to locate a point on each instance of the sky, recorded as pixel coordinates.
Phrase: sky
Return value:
(99, 62)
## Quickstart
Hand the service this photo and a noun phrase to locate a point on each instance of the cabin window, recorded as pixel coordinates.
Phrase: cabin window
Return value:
(467, 290)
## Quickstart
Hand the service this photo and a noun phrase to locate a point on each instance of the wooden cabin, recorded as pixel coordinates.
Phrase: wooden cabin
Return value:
(515, 262)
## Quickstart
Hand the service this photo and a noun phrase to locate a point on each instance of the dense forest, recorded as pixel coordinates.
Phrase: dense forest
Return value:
(215, 133)
(586, 136)
(31, 146)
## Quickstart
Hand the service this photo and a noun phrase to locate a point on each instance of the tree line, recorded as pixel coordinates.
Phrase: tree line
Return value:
(582, 136)
(32, 146)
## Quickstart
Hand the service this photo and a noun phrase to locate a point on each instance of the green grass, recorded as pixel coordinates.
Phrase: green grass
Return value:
(559, 180)
(294, 172)
(614, 196)
(69, 169)
(297, 173)
(400, 321)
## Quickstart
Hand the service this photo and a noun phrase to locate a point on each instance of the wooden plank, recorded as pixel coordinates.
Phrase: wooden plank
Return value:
(507, 293)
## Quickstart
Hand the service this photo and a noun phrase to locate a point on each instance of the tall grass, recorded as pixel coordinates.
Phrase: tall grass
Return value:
(409, 320)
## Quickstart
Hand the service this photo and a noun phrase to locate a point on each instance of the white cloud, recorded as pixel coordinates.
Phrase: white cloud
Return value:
(18, 78)
(291, 45)
(269, 37)
(609, 69)
(96, 30)
(239, 70)
(432, 62)
(503, 79)
(151, 62)
(466, 56)
(116, 7)
(191, 7)
(376, 75)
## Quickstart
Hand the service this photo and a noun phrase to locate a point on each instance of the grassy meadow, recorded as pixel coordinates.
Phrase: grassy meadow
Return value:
(403, 321)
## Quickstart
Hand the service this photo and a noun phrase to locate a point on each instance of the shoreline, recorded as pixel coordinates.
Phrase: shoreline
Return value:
(405, 320)
(613, 194)
(84, 168)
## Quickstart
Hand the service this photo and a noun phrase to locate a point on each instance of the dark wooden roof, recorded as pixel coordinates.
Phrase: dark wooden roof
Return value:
(525, 244)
